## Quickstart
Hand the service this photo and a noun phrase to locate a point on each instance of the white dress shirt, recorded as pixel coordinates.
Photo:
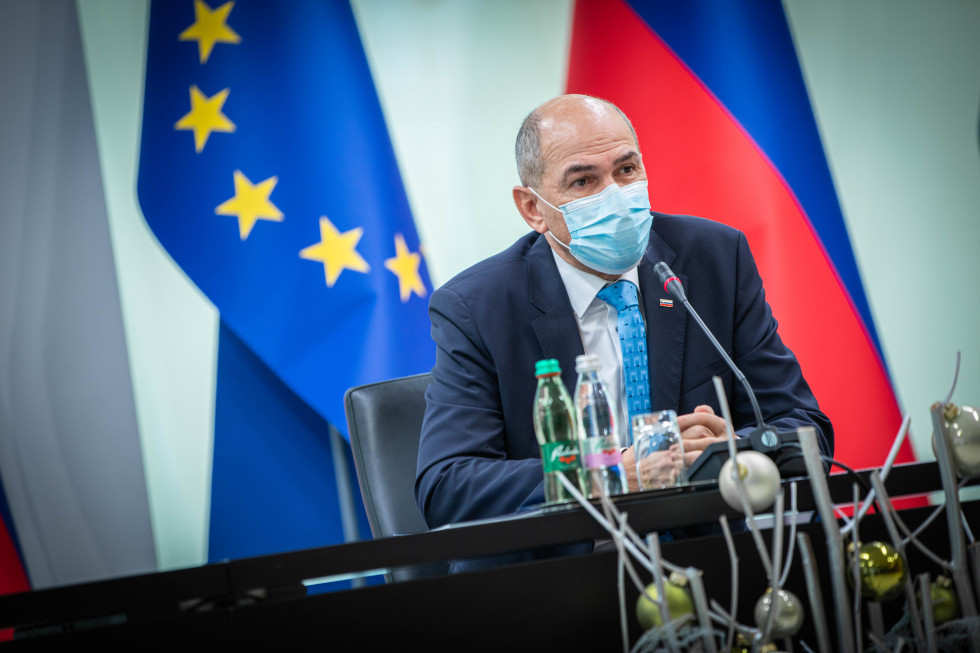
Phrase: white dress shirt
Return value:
(597, 325)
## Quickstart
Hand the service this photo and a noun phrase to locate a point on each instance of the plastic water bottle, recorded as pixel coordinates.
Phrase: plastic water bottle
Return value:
(554, 426)
(598, 436)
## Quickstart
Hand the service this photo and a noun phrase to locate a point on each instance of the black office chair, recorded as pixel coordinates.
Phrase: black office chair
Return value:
(384, 420)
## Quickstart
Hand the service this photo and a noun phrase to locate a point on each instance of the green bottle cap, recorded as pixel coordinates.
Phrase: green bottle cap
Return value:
(547, 366)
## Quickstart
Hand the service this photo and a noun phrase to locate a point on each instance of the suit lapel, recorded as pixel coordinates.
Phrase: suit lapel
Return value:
(556, 328)
(665, 327)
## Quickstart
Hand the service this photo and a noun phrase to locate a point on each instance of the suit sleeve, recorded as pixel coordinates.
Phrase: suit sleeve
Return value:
(772, 370)
(463, 471)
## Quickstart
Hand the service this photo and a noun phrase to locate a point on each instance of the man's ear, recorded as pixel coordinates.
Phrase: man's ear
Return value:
(527, 204)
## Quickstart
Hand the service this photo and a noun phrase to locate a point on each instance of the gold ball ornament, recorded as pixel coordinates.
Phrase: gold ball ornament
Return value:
(759, 476)
(789, 613)
(945, 605)
(882, 570)
(679, 602)
(741, 644)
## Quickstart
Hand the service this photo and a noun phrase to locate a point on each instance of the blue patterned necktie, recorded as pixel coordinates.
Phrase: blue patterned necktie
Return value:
(633, 341)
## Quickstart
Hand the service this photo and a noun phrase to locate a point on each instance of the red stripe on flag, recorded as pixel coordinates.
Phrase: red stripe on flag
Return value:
(700, 161)
(12, 576)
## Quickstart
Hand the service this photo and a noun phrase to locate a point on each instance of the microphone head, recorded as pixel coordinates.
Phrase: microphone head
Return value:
(669, 281)
(664, 273)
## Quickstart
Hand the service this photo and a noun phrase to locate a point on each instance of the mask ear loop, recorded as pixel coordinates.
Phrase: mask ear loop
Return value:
(555, 238)
(548, 233)
(544, 200)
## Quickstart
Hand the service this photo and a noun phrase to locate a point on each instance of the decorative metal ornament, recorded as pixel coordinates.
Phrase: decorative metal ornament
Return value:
(883, 571)
(759, 476)
(741, 644)
(942, 595)
(749, 482)
(789, 613)
(679, 602)
(961, 428)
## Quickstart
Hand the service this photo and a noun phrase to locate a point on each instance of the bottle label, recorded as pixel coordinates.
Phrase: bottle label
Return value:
(559, 456)
(604, 458)
(601, 452)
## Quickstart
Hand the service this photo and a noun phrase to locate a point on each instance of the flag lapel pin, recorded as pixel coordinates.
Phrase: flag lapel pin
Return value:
(666, 303)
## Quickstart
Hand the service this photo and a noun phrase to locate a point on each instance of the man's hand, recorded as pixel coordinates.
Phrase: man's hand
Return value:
(700, 429)
(629, 466)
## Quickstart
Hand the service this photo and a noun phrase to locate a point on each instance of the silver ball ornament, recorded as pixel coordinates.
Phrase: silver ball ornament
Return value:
(759, 476)
(961, 428)
(789, 613)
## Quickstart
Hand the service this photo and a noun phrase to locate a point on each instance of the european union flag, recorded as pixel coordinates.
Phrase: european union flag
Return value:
(267, 173)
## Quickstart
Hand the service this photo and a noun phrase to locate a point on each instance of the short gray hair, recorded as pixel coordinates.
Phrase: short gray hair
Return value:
(527, 148)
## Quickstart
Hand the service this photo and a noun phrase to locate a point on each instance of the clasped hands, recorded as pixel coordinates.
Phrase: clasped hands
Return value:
(698, 430)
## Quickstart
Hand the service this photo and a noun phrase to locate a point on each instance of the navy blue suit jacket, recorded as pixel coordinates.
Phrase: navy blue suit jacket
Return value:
(478, 455)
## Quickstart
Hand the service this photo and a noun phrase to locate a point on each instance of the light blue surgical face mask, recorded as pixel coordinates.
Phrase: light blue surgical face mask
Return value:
(610, 230)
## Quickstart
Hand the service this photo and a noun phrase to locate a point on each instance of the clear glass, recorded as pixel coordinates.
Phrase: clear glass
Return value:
(659, 450)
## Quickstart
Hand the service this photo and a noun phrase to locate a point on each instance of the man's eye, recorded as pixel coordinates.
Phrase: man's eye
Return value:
(580, 182)
(629, 169)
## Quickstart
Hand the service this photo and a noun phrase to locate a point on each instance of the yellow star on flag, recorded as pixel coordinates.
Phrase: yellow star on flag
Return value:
(405, 266)
(209, 28)
(336, 251)
(250, 203)
(205, 116)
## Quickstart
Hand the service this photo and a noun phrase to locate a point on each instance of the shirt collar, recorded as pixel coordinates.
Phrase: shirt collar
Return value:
(582, 286)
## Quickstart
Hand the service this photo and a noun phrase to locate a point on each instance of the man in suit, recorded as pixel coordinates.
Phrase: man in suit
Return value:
(584, 196)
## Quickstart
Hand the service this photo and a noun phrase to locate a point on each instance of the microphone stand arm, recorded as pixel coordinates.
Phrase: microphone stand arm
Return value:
(731, 365)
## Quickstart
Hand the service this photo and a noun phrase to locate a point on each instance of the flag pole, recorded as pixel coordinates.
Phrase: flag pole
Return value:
(345, 496)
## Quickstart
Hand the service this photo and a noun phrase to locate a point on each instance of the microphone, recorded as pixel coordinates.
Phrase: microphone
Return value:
(763, 439)
(673, 286)
(780, 447)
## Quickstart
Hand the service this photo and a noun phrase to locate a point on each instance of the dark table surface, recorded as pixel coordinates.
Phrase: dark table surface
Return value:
(573, 600)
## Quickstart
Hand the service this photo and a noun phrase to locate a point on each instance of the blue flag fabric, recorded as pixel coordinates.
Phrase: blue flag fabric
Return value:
(267, 172)
(273, 481)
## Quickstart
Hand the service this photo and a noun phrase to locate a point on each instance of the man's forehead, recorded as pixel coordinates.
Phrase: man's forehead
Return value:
(566, 104)
(578, 149)
(578, 113)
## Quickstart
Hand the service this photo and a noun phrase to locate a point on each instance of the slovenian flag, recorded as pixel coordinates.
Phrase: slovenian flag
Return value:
(718, 101)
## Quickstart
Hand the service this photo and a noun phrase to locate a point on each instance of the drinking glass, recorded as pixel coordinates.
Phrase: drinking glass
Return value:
(659, 450)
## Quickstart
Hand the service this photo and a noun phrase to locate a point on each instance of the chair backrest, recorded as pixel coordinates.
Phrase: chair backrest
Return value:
(384, 420)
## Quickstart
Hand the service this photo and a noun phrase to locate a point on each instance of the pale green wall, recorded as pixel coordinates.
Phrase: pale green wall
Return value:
(456, 78)
(897, 97)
